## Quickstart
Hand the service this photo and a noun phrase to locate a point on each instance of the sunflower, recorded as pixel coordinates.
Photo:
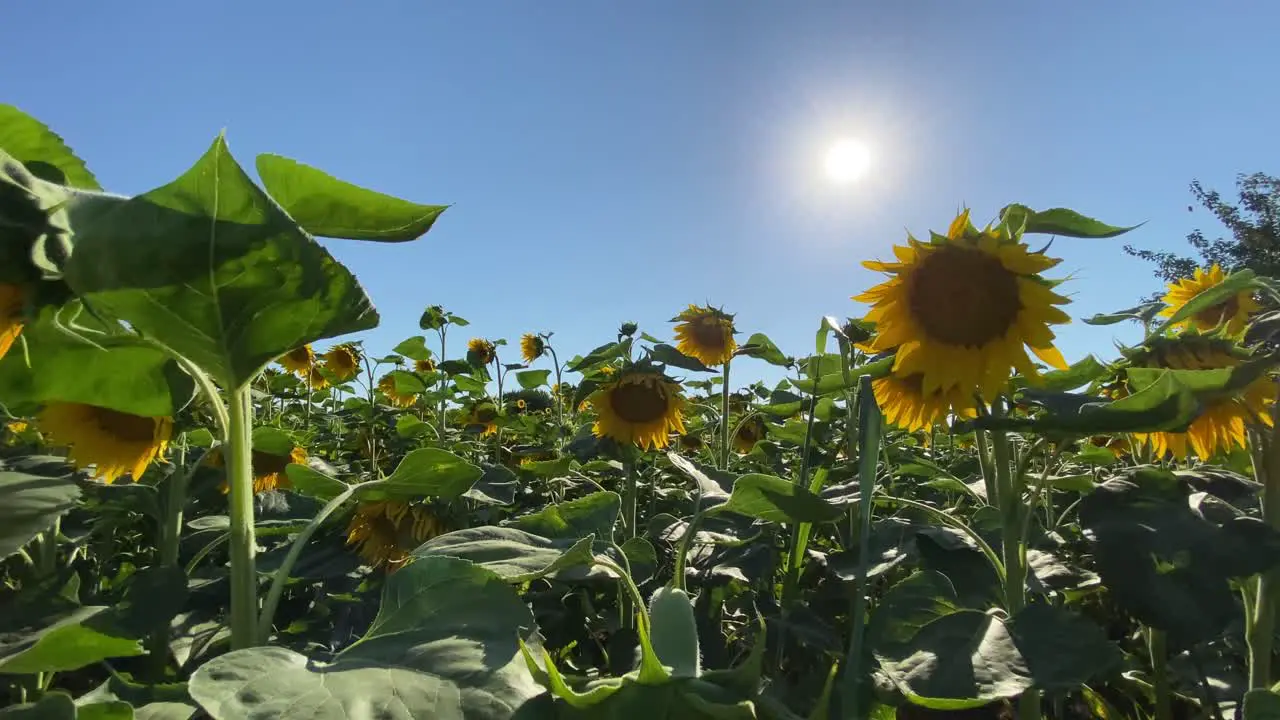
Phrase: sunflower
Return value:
(905, 404)
(961, 310)
(691, 443)
(14, 429)
(481, 352)
(1232, 312)
(532, 347)
(299, 360)
(424, 366)
(387, 385)
(268, 468)
(386, 531)
(1222, 424)
(343, 361)
(706, 334)
(484, 415)
(748, 434)
(12, 301)
(316, 378)
(640, 407)
(115, 443)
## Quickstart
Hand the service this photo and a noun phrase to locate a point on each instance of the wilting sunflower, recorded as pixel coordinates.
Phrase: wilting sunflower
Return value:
(1233, 312)
(962, 309)
(532, 347)
(386, 531)
(1223, 423)
(387, 385)
(424, 366)
(706, 334)
(480, 351)
(749, 433)
(343, 361)
(12, 299)
(905, 404)
(115, 443)
(640, 407)
(299, 360)
(268, 468)
(485, 415)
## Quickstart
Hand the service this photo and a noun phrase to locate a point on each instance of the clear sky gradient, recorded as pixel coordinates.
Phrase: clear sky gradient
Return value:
(612, 161)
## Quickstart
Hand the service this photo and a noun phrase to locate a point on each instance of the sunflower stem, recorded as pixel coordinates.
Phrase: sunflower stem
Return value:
(724, 417)
(444, 384)
(1009, 503)
(281, 578)
(175, 500)
(1260, 628)
(244, 585)
(1157, 648)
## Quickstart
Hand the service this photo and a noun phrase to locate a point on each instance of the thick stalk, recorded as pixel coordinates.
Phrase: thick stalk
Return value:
(984, 462)
(175, 500)
(444, 384)
(724, 418)
(1157, 648)
(1009, 502)
(558, 400)
(1261, 626)
(629, 530)
(795, 553)
(244, 580)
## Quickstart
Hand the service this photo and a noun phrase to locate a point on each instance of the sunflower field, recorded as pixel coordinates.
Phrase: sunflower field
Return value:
(215, 505)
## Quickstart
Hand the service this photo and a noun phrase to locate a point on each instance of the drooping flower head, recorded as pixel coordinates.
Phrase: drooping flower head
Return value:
(1223, 423)
(299, 360)
(481, 352)
(343, 361)
(12, 300)
(705, 333)
(484, 414)
(963, 309)
(749, 433)
(639, 407)
(386, 531)
(115, 443)
(532, 347)
(387, 386)
(424, 366)
(316, 378)
(1232, 314)
(268, 467)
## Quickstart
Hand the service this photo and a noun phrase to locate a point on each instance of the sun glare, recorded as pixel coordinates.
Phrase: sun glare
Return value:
(848, 160)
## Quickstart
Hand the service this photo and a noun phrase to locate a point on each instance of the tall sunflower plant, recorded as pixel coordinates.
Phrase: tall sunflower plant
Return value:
(211, 276)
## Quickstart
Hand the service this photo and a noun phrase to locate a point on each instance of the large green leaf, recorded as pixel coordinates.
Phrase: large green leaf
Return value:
(53, 706)
(1164, 405)
(1063, 649)
(1060, 221)
(1237, 282)
(668, 355)
(835, 381)
(445, 645)
(414, 348)
(1261, 705)
(34, 491)
(117, 372)
(530, 379)
(210, 266)
(513, 555)
(1167, 563)
(760, 346)
(593, 514)
(44, 153)
(426, 472)
(329, 207)
(771, 498)
(907, 607)
(61, 639)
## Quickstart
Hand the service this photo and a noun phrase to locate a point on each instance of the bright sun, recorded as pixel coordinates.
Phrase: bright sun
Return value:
(848, 160)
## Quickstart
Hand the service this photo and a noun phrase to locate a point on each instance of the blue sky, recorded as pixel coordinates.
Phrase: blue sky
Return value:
(611, 161)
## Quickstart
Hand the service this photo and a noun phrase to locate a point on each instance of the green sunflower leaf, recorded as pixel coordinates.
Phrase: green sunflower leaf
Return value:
(668, 355)
(1140, 313)
(211, 267)
(426, 472)
(761, 347)
(770, 498)
(42, 151)
(1232, 285)
(414, 348)
(37, 490)
(1164, 405)
(328, 207)
(836, 381)
(1060, 221)
(531, 379)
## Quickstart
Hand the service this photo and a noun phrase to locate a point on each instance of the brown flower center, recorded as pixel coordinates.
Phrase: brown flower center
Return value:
(638, 402)
(265, 463)
(125, 426)
(1218, 314)
(709, 332)
(962, 296)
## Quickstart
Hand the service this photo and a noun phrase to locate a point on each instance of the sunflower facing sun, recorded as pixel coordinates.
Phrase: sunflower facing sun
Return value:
(532, 347)
(1222, 425)
(1233, 313)
(639, 407)
(905, 404)
(115, 443)
(963, 309)
(706, 334)
(12, 300)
